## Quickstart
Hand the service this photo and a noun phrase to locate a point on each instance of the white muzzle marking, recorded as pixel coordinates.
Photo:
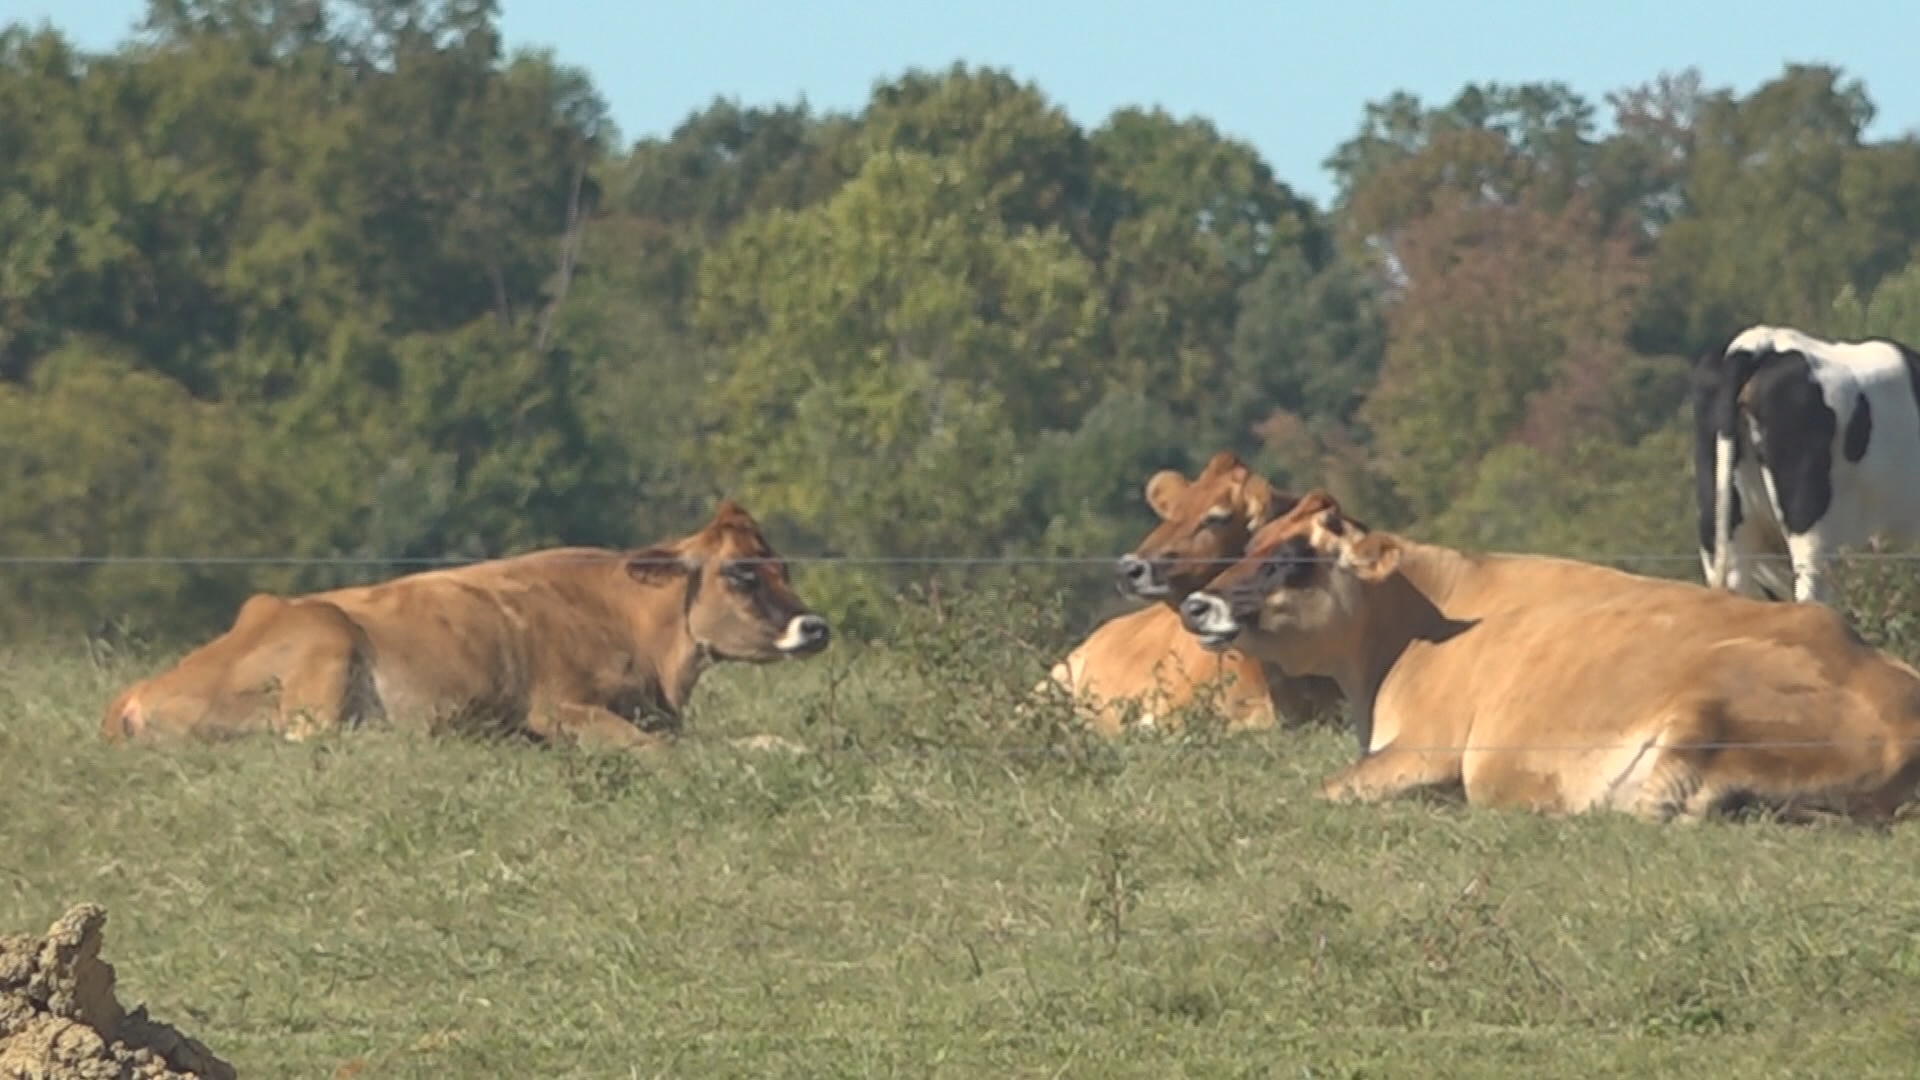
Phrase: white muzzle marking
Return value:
(803, 632)
(1209, 618)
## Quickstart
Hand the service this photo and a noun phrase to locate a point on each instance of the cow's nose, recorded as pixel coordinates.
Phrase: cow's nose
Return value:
(1135, 570)
(1194, 608)
(805, 635)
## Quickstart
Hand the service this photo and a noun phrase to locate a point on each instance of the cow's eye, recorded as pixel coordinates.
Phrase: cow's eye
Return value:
(1217, 517)
(741, 576)
(1292, 565)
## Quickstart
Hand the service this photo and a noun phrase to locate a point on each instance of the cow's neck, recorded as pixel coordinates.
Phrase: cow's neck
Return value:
(1411, 606)
(676, 657)
(1434, 572)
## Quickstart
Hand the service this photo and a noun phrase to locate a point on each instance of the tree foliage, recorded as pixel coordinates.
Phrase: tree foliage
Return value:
(344, 279)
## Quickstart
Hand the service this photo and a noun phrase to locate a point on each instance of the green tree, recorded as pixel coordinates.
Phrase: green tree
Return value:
(1892, 310)
(1307, 349)
(725, 162)
(885, 357)
(1187, 218)
(1785, 206)
(1504, 310)
(1020, 155)
(1493, 142)
(1599, 498)
(168, 478)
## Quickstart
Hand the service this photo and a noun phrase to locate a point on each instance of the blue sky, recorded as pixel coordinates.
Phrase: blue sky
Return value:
(1288, 77)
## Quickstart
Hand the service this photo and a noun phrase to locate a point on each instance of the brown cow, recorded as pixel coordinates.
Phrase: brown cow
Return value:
(565, 644)
(1204, 527)
(1144, 656)
(1561, 686)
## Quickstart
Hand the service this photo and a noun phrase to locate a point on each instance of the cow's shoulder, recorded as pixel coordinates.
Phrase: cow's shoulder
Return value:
(1143, 637)
(1125, 635)
(1140, 648)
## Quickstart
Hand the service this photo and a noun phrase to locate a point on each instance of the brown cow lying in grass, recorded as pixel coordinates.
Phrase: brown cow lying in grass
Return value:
(1144, 656)
(1561, 686)
(567, 644)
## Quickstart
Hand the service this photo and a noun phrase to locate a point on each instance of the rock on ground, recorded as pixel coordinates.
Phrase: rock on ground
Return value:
(59, 1019)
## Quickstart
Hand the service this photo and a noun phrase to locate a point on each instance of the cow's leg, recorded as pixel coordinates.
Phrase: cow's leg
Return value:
(1671, 790)
(175, 702)
(1747, 575)
(1743, 567)
(1855, 791)
(1297, 700)
(1698, 772)
(306, 661)
(124, 720)
(767, 742)
(1252, 713)
(592, 727)
(315, 695)
(1391, 772)
(595, 728)
(284, 668)
(1810, 581)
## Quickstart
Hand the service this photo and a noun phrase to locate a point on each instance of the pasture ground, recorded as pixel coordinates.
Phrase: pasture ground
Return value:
(940, 890)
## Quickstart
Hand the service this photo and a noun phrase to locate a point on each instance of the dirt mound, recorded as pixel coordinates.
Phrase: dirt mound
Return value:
(59, 1019)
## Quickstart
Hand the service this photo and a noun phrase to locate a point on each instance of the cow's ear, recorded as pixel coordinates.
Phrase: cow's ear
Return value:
(1259, 503)
(657, 564)
(1222, 462)
(1372, 558)
(1163, 490)
(729, 514)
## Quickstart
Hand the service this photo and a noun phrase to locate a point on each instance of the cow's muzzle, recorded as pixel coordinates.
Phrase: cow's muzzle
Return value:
(806, 635)
(1135, 576)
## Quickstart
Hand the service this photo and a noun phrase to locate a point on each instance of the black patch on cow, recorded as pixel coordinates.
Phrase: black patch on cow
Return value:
(1859, 430)
(1796, 441)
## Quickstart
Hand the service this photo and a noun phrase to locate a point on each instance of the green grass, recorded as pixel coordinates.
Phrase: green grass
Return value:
(941, 890)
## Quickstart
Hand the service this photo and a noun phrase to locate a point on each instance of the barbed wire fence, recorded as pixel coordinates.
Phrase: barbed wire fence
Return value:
(1039, 656)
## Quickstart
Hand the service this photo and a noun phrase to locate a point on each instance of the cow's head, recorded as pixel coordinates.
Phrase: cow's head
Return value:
(739, 600)
(1205, 524)
(1296, 593)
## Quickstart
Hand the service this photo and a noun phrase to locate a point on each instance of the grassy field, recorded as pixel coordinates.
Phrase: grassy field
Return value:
(940, 889)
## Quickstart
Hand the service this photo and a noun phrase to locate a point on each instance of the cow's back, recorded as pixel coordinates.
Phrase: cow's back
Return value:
(1874, 479)
(1570, 676)
(1839, 426)
(1523, 624)
(467, 648)
(1514, 658)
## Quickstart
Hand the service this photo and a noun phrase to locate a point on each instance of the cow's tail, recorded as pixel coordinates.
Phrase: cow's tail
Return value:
(1737, 372)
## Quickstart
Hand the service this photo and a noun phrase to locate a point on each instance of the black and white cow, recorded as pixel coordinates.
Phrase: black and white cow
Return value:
(1802, 446)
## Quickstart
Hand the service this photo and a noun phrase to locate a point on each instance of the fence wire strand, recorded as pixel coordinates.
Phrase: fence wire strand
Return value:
(1123, 745)
(430, 561)
(1158, 736)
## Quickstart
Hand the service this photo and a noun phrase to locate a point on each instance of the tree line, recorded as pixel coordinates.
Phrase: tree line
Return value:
(348, 281)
